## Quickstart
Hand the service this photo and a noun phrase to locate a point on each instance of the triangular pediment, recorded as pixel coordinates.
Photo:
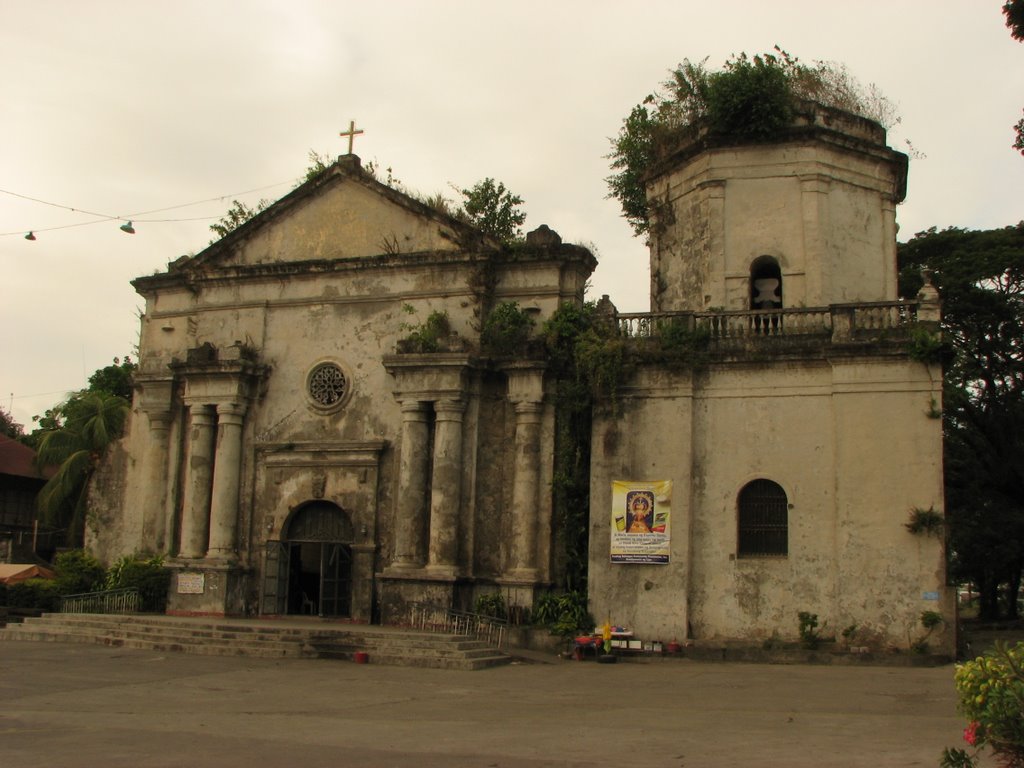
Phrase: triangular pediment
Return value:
(343, 213)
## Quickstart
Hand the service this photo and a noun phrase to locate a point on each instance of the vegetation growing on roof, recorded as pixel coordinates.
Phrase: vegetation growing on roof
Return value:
(752, 98)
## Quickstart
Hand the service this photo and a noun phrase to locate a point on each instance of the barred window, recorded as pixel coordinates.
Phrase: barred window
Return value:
(763, 520)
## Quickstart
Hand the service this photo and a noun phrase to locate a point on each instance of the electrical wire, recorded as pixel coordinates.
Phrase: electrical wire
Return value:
(104, 218)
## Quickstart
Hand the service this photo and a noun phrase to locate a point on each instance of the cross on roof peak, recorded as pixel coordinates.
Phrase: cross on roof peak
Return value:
(351, 133)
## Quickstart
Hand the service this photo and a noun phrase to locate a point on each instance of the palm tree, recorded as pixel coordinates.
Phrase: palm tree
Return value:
(92, 420)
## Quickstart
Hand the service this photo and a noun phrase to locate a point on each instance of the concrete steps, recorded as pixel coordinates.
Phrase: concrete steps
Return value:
(286, 638)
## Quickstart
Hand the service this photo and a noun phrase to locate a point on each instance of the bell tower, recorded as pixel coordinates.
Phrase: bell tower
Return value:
(806, 220)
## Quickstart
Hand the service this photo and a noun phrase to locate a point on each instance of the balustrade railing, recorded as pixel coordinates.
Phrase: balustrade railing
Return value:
(837, 321)
(109, 601)
(431, 618)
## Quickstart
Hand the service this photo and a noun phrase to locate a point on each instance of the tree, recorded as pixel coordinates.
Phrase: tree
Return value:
(73, 436)
(490, 207)
(1014, 12)
(8, 426)
(92, 421)
(749, 99)
(980, 277)
(114, 379)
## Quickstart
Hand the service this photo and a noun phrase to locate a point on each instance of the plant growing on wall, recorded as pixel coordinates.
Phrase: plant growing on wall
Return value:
(429, 336)
(925, 521)
(506, 330)
(752, 98)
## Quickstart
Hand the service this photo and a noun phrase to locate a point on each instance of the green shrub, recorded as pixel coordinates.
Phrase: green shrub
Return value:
(147, 575)
(991, 696)
(33, 593)
(506, 330)
(563, 614)
(810, 634)
(78, 572)
(492, 605)
(428, 337)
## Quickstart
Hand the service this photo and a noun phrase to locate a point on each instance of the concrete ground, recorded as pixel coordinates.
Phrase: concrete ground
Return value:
(71, 706)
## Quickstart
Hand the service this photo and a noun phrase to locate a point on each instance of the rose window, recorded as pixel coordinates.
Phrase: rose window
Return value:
(327, 384)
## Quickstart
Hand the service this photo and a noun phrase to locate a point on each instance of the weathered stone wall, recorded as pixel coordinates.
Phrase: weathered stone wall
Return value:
(851, 443)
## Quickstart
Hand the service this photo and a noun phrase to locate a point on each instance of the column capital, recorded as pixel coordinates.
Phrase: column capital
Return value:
(201, 413)
(450, 409)
(227, 410)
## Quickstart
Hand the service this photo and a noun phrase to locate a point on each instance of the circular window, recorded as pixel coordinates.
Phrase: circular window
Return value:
(327, 385)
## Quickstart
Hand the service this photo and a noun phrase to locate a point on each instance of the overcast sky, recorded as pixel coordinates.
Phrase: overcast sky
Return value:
(119, 108)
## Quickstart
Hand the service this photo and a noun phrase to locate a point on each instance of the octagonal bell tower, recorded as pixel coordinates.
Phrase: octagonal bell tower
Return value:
(806, 220)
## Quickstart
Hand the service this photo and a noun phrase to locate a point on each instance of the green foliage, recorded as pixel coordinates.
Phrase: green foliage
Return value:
(147, 575)
(429, 336)
(114, 379)
(1014, 12)
(930, 620)
(237, 215)
(8, 426)
(633, 153)
(810, 633)
(506, 330)
(600, 357)
(33, 593)
(750, 99)
(676, 345)
(564, 614)
(317, 165)
(926, 521)
(991, 696)
(490, 207)
(927, 346)
(492, 605)
(78, 572)
(574, 407)
(91, 421)
(980, 278)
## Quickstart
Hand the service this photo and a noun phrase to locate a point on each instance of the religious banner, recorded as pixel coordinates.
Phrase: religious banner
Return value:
(641, 518)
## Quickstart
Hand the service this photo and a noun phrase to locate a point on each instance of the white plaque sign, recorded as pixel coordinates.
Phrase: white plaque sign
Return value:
(191, 583)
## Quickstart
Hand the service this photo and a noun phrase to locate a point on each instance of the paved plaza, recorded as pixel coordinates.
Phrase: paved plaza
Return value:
(66, 705)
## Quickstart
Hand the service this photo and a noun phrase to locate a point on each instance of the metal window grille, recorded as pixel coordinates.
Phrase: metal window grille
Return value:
(763, 520)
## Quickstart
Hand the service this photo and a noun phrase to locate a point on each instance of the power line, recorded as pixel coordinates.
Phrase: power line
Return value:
(104, 217)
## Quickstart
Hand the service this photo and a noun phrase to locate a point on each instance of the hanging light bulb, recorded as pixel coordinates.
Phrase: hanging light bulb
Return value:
(30, 236)
(128, 228)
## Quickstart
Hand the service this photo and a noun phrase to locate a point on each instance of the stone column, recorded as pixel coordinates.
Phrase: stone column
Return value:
(411, 505)
(154, 481)
(227, 469)
(446, 487)
(524, 490)
(198, 474)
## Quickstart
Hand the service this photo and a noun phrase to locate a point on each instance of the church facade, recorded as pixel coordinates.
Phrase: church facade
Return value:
(316, 428)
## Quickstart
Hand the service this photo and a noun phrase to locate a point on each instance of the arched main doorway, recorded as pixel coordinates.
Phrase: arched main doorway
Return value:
(310, 570)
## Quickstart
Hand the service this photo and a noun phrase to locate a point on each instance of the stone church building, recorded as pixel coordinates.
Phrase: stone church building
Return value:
(316, 428)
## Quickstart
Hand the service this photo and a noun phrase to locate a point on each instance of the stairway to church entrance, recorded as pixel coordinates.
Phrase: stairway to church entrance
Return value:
(309, 572)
